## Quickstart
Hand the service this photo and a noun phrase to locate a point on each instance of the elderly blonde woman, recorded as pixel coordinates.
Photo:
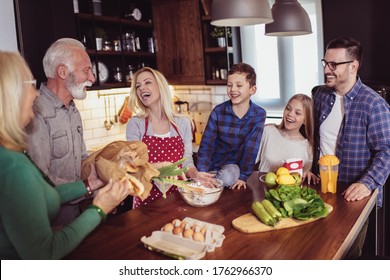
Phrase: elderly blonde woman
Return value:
(167, 135)
(28, 200)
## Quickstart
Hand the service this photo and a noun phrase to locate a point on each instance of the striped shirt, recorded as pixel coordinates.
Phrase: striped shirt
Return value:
(229, 139)
(363, 142)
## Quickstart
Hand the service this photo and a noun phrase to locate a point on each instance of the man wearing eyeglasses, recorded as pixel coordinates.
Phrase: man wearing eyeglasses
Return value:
(352, 122)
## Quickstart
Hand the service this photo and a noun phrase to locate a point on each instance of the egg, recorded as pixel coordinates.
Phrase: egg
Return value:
(188, 233)
(168, 227)
(176, 222)
(183, 224)
(196, 228)
(203, 231)
(177, 230)
(198, 237)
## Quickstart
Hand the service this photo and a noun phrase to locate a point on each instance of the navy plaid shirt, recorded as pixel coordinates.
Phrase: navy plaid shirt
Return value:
(363, 142)
(229, 139)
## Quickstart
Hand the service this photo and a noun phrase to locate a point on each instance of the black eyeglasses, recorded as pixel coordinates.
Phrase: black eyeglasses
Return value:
(333, 65)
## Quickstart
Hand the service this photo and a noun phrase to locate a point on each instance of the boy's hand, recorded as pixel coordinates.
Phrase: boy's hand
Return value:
(238, 185)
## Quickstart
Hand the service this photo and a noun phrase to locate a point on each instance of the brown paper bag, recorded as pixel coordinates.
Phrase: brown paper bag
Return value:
(121, 159)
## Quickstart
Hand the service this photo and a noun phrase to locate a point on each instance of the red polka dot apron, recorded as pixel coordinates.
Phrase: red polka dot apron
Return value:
(160, 149)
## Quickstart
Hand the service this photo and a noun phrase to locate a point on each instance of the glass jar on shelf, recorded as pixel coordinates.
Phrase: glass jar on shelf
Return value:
(130, 73)
(107, 46)
(118, 76)
(129, 42)
(117, 45)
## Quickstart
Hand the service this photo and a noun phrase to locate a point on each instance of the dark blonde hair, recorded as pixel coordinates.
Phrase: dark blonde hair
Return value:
(246, 69)
(135, 105)
(13, 72)
(307, 129)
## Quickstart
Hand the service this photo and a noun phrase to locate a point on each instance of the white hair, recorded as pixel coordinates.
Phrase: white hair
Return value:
(60, 52)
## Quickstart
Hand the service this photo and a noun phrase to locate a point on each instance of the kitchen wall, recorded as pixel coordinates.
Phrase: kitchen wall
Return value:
(92, 109)
(8, 41)
(368, 22)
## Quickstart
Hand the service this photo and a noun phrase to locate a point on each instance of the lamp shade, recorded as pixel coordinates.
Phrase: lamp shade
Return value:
(240, 12)
(290, 19)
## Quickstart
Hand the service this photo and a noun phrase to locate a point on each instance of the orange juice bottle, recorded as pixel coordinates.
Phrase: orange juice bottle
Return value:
(329, 165)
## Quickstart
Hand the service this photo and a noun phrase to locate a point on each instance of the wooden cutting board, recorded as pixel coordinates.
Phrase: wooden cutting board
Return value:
(249, 223)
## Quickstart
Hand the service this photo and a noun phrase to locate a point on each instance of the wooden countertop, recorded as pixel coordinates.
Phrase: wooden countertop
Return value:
(329, 238)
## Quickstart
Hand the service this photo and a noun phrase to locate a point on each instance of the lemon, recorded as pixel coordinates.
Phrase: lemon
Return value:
(282, 170)
(285, 179)
(297, 177)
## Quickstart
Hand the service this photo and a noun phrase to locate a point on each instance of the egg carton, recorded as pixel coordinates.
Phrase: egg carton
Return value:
(179, 246)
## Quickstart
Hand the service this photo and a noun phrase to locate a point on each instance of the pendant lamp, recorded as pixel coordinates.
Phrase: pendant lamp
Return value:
(290, 19)
(240, 12)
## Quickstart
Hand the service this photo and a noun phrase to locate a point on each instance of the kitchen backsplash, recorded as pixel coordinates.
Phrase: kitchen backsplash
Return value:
(101, 106)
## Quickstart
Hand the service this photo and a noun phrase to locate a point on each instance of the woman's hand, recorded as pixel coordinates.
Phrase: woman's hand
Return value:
(311, 177)
(111, 195)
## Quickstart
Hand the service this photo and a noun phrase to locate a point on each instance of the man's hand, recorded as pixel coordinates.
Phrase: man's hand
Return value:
(356, 191)
(94, 181)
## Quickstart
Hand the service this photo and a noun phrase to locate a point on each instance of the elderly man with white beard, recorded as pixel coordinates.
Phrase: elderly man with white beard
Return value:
(55, 142)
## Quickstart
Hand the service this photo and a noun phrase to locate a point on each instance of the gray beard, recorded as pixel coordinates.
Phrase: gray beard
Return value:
(77, 91)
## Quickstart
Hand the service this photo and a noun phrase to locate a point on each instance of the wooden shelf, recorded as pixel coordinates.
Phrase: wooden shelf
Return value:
(108, 86)
(216, 82)
(215, 50)
(114, 27)
(214, 57)
(134, 23)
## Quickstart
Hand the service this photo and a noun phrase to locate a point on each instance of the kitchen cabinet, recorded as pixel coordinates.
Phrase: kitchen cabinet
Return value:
(127, 43)
(39, 23)
(178, 36)
(217, 58)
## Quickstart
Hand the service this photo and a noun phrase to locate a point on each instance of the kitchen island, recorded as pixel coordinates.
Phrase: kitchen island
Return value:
(329, 238)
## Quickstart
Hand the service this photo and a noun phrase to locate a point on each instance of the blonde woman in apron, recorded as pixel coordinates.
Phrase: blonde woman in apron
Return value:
(167, 134)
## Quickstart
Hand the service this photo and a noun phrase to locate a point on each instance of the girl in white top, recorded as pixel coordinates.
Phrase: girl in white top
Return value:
(292, 138)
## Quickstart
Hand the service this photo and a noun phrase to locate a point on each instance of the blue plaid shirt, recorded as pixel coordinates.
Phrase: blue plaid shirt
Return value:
(363, 142)
(229, 139)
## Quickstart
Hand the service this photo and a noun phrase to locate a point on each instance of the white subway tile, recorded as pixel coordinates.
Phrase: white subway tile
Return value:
(98, 113)
(93, 113)
(87, 134)
(99, 132)
(85, 114)
(93, 124)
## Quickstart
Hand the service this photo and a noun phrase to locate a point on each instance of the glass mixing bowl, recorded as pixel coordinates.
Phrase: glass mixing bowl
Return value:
(206, 198)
